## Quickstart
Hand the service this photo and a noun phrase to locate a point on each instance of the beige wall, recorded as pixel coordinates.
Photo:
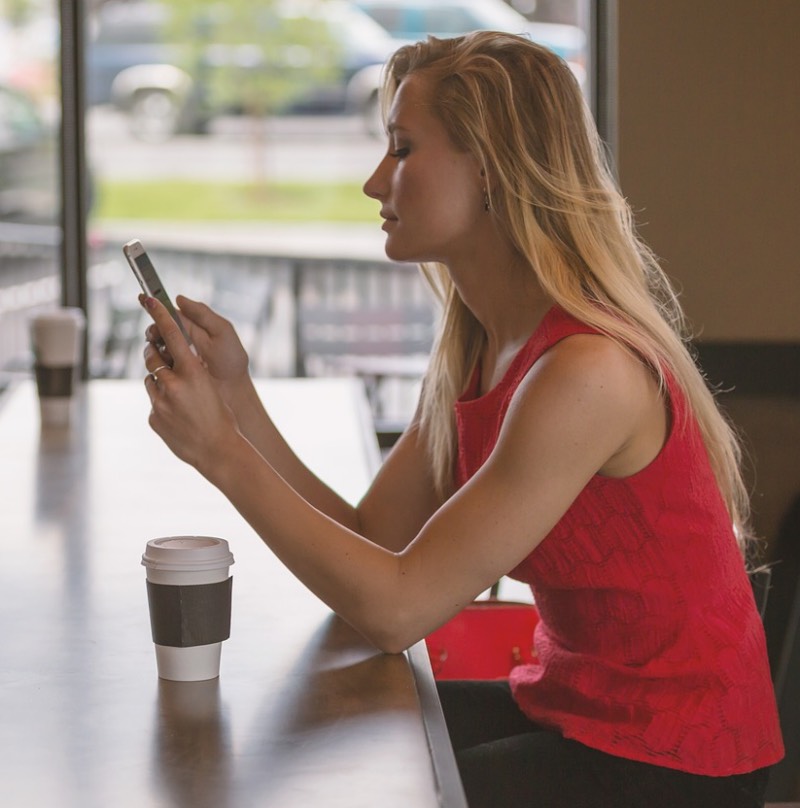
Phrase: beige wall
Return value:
(708, 136)
(709, 155)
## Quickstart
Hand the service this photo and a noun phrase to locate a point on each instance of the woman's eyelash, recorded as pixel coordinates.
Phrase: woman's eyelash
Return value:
(398, 152)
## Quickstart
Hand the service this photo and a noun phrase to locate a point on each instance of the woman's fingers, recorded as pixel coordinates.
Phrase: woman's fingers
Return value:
(200, 314)
(156, 353)
(217, 341)
(155, 381)
(173, 340)
(156, 345)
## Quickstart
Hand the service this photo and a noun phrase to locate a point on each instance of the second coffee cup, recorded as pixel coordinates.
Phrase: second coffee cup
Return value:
(57, 342)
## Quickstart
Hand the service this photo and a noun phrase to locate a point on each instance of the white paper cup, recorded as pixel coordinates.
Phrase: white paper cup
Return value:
(57, 343)
(189, 597)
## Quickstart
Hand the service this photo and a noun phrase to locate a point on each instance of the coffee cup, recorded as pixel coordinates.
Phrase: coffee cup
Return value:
(189, 598)
(57, 343)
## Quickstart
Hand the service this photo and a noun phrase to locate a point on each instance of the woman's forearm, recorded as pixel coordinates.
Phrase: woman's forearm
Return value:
(358, 579)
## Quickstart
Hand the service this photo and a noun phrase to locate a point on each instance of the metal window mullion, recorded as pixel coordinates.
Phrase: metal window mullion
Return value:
(74, 187)
(603, 72)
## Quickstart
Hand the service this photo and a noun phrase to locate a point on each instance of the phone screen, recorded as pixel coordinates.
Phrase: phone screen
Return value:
(149, 280)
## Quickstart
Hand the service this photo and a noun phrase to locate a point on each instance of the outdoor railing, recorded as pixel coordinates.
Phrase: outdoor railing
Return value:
(28, 281)
(264, 295)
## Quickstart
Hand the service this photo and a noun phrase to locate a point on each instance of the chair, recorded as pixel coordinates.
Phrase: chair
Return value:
(782, 627)
(484, 641)
(123, 342)
(489, 637)
(785, 550)
(375, 343)
(760, 580)
(247, 300)
(785, 777)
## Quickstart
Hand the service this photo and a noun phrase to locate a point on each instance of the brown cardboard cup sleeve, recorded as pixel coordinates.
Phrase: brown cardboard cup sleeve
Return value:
(185, 616)
(54, 382)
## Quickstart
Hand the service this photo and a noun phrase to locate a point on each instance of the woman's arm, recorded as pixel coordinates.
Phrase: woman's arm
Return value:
(390, 520)
(587, 406)
(399, 501)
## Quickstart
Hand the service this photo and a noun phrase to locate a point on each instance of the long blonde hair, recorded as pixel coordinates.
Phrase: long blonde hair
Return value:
(518, 109)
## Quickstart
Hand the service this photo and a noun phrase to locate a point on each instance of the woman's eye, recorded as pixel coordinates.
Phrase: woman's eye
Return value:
(399, 153)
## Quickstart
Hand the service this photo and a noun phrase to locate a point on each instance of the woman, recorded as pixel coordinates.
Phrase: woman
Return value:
(563, 435)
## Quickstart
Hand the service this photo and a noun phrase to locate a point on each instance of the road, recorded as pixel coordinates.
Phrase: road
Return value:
(314, 148)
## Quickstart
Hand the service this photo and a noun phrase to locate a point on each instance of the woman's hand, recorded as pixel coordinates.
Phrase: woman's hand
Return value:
(214, 337)
(188, 412)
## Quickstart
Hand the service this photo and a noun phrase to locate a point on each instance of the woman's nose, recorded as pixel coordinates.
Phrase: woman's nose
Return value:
(376, 185)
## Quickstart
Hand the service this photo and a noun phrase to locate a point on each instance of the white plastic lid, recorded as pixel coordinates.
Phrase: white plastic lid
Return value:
(177, 553)
(60, 314)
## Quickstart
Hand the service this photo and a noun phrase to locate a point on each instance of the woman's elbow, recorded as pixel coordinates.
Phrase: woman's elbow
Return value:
(393, 634)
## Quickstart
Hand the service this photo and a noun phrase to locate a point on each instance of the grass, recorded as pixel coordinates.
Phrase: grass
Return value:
(182, 200)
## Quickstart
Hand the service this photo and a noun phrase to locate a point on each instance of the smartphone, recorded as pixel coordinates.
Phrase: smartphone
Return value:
(148, 279)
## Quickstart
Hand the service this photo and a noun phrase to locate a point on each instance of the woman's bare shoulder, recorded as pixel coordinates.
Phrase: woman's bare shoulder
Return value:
(593, 361)
(594, 390)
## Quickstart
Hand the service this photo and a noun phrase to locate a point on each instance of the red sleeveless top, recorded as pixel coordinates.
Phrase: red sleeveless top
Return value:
(650, 645)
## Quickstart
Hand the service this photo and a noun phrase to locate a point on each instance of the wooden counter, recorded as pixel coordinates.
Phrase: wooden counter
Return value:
(305, 713)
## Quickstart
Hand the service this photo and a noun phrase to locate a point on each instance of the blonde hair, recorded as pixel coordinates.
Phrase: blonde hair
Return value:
(518, 109)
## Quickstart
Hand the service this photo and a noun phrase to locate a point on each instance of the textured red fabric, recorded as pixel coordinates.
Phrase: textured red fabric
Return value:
(650, 645)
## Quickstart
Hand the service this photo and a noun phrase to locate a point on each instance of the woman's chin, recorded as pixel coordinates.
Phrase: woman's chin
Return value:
(396, 251)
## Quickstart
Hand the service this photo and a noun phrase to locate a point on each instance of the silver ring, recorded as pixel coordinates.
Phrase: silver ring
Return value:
(154, 373)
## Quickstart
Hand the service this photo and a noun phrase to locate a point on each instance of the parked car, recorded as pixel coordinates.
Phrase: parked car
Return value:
(413, 20)
(28, 170)
(164, 82)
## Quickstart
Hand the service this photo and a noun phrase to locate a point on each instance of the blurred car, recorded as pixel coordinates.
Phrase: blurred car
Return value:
(413, 20)
(136, 61)
(29, 188)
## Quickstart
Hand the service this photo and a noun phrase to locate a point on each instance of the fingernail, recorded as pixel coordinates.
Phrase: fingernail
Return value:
(150, 302)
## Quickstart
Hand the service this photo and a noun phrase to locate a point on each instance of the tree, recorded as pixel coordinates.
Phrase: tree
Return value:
(17, 12)
(258, 59)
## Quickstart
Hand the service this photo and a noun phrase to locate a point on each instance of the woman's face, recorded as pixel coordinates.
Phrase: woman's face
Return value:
(431, 193)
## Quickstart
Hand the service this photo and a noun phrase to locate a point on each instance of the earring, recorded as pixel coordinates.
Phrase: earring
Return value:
(487, 205)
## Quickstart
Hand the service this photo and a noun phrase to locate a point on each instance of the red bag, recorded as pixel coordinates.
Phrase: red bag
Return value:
(484, 641)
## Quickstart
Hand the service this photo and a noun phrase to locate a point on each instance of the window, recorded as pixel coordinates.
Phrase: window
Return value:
(234, 156)
(29, 177)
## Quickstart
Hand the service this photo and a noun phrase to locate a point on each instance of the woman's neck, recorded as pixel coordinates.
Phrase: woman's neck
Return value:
(507, 300)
